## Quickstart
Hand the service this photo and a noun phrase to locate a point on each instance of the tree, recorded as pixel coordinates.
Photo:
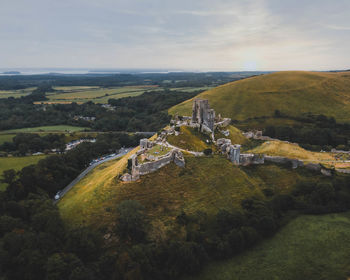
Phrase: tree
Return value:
(131, 222)
(8, 176)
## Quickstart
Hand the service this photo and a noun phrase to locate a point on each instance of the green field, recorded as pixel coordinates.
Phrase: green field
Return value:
(95, 94)
(6, 138)
(17, 163)
(81, 94)
(15, 93)
(47, 129)
(308, 248)
(292, 93)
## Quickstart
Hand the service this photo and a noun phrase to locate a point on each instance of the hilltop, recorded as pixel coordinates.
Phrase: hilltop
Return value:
(188, 194)
(293, 93)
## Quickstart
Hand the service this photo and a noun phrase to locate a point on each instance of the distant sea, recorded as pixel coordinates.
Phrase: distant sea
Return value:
(77, 71)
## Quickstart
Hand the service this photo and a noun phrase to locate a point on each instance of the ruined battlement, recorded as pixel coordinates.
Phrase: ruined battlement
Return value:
(154, 162)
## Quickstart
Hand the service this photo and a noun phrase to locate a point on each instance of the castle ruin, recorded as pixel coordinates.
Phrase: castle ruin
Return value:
(203, 115)
(151, 162)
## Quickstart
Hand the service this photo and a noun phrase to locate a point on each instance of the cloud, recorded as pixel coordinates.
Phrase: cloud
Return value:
(199, 34)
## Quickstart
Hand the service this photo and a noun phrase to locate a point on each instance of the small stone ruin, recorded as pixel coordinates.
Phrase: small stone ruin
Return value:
(152, 163)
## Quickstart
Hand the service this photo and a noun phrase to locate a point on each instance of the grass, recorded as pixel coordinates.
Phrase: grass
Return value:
(15, 93)
(280, 148)
(190, 139)
(235, 135)
(81, 94)
(5, 138)
(206, 184)
(16, 163)
(158, 150)
(54, 128)
(308, 248)
(84, 202)
(293, 93)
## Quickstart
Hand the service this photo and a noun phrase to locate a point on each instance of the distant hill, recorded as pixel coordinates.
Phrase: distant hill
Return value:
(292, 93)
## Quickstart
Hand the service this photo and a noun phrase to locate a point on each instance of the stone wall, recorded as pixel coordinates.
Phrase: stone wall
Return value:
(295, 163)
(248, 159)
(148, 167)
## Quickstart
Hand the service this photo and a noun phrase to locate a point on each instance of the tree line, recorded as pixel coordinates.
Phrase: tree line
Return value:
(314, 132)
(178, 79)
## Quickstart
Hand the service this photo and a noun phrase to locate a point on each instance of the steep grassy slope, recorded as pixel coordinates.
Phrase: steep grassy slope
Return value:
(280, 148)
(191, 139)
(308, 248)
(206, 184)
(292, 92)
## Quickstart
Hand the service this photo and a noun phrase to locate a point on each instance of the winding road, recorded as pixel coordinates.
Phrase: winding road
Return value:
(122, 152)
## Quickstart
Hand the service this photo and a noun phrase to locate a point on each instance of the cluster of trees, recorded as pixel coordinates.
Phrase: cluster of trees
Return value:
(315, 132)
(112, 80)
(24, 143)
(35, 244)
(146, 112)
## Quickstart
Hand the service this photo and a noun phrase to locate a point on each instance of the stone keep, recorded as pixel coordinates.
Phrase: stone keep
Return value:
(145, 143)
(234, 153)
(202, 114)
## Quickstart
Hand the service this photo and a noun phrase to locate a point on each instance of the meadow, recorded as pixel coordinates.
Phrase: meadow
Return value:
(308, 248)
(95, 94)
(16, 93)
(46, 129)
(6, 138)
(81, 94)
(16, 163)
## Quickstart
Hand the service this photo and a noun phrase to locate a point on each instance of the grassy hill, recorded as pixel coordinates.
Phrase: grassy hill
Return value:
(206, 184)
(309, 247)
(291, 92)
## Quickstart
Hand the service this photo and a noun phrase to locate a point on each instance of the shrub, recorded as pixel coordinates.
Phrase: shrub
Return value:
(208, 152)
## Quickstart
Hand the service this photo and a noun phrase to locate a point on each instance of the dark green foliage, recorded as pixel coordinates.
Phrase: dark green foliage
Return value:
(146, 112)
(208, 152)
(131, 220)
(31, 142)
(316, 132)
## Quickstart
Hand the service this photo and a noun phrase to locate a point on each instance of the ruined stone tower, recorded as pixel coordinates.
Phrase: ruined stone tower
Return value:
(234, 153)
(202, 114)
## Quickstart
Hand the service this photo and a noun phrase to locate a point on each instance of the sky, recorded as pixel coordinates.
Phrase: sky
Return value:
(197, 35)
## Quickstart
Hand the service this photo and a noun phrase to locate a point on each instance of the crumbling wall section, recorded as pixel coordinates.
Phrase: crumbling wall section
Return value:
(138, 170)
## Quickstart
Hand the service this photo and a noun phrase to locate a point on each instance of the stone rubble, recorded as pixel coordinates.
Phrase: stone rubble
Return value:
(204, 119)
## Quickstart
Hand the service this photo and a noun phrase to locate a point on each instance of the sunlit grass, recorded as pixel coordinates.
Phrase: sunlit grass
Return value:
(308, 248)
(292, 93)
